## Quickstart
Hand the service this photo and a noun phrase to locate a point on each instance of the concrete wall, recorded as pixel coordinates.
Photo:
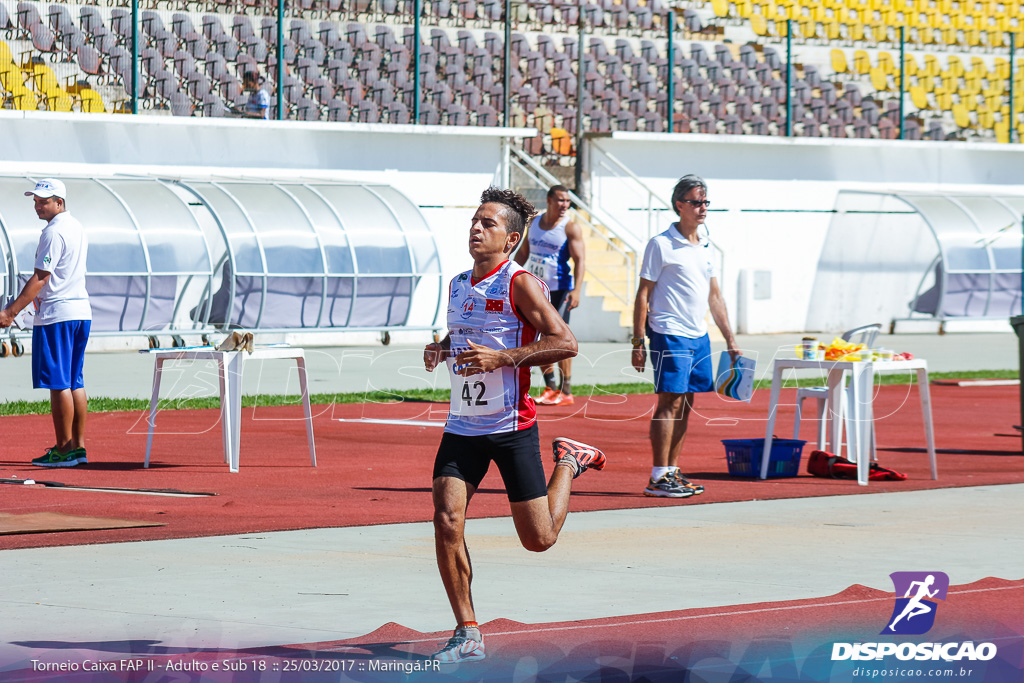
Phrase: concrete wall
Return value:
(773, 199)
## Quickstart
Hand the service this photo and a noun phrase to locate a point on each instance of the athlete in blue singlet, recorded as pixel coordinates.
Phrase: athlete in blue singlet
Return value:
(551, 242)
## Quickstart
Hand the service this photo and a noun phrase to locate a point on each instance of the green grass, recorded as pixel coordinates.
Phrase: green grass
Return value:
(104, 405)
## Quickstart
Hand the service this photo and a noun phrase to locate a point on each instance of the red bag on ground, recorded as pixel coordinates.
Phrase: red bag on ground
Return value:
(831, 466)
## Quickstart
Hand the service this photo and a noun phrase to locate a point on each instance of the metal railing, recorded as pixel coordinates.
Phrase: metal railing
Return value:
(599, 225)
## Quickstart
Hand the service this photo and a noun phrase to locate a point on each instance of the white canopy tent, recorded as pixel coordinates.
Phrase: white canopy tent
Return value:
(919, 256)
(185, 256)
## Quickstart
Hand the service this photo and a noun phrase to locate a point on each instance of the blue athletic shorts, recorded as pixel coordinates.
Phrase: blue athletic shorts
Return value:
(681, 365)
(58, 354)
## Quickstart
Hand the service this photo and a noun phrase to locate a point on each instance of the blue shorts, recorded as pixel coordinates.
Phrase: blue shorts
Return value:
(681, 365)
(58, 354)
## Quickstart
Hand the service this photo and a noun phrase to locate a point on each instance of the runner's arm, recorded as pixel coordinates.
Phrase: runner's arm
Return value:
(436, 353)
(556, 341)
(577, 251)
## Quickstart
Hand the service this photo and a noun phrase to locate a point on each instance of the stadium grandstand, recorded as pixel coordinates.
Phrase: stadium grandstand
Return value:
(936, 69)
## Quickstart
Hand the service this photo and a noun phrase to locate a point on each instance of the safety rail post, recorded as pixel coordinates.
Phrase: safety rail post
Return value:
(135, 56)
(1013, 116)
(280, 60)
(789, 77)
(506, 78)
(669, 83)
(580, 78)
(417, 11)
(903, 45)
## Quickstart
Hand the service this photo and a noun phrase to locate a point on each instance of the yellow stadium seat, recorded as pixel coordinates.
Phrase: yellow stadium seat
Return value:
(759, 25)
(927, 83)
(839, 61)
(943, 100)
(931, 65)
(721, 7)
(61, 101)
(1002, 68)
(955, 66)
(918, 97)
(910, 65)
(25, 100)
(995, 38)
(5, 52)
(925, 35)
(961, 116)
(985, 118)
(745, 9)
(781, 28)
(855, 32)
(970, 103)
(885, 63)
(1002, 130)
(972, 37)
(92, 102)
(878, 79)
(861, 62)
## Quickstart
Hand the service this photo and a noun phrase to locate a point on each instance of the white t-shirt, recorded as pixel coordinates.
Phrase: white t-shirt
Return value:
(681, 272)
(62, 252)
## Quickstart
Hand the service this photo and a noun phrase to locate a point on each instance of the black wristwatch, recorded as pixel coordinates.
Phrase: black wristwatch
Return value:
(637, 342)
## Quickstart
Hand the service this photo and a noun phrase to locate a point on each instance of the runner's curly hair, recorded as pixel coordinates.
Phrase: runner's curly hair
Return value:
(518, 210)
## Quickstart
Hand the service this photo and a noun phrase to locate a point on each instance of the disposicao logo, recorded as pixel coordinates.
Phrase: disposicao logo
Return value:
(914, 614)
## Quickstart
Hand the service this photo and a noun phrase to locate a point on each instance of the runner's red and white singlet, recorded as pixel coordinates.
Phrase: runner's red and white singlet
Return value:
(496, 401)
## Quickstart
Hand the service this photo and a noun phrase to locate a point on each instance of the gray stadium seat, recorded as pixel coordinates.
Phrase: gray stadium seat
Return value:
(338, 110)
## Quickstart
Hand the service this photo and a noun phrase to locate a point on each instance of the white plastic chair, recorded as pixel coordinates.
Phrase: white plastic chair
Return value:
(866, 334)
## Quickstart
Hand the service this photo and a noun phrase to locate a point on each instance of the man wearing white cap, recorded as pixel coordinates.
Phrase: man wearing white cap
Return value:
(62, 321)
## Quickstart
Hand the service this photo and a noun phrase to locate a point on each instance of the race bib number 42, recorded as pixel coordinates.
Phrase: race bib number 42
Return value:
(481, 394)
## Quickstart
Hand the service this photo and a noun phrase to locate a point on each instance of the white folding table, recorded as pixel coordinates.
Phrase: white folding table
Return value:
(230, 365)
(860, 395)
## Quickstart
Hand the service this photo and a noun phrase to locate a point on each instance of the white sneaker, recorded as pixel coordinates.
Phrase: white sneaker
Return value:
(461, 647)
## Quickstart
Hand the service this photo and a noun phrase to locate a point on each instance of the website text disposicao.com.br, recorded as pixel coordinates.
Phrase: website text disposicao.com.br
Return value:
(898, 673)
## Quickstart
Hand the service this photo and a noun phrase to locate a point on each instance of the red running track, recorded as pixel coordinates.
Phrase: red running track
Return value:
(380, 474)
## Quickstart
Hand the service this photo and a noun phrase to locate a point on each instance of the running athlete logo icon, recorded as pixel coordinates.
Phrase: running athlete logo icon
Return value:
(914, 613)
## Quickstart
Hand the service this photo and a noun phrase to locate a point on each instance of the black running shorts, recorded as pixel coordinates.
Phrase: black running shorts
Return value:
(517, 455)
(560, 300)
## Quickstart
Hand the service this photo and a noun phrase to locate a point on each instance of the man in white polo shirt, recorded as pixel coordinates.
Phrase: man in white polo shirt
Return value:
(678, 285)
(62, 321)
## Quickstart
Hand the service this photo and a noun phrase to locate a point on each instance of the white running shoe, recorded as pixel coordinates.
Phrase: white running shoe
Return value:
(461, 647)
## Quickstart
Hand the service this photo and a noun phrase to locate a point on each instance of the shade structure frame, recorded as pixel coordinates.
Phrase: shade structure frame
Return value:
(319, 253)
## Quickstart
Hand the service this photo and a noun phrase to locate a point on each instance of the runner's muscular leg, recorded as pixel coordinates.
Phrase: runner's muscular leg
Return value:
(539, 520)
(451, 498)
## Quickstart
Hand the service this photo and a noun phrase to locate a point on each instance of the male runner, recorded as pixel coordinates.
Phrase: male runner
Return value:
(500, 323)
(550, 242)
